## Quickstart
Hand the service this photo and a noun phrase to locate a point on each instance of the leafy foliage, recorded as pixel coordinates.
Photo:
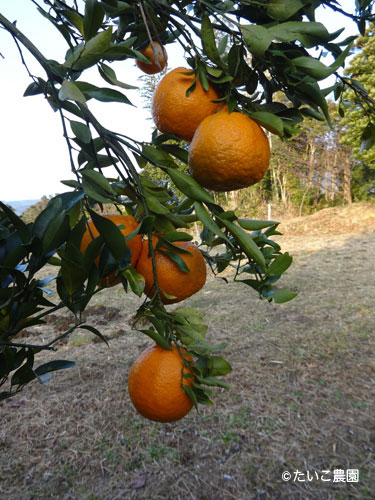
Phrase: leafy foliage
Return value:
(262, 55)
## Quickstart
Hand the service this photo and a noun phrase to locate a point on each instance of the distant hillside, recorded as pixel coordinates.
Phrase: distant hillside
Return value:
(21, 205)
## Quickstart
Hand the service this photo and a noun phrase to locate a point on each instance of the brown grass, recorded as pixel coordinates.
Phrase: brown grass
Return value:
(303, 397)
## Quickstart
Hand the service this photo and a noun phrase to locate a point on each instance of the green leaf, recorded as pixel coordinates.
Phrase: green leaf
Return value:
(157, 156)
(46, 217)
(177, 236)
(81, 130)
(176, 151)
(313, 67)
(136, 281)
(108, 74)
(281, 296)
(312, 93)
(107, 95)
(208, 221)
(157, 338)
(94, 14)
(255, 225)
(70, 91)
(52, 366)
(155, 206)
(209, 41)
(177, 259)
(189, 186)
(113, 238)
(269, 121)
(280, 264)
(17, 222)
(308, 33)
(257, 39)
(245, 241)
(213, 381)
(98, 179)
(367, 137)
(283, 9)
(85, 55)
(74, 18)
(95, 332)
(218, 366)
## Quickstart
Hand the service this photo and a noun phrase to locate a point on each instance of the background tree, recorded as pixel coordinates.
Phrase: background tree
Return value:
(358, 123)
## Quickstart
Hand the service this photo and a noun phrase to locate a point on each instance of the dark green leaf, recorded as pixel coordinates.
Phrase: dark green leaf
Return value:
(255, 225)
(81, 130)
(189, 186)
(113, 238)
(157, 156)
(257, 39)
(283, 9)
(280, 264)
(209, 41)
(157, 338)
(95, 332)
(94, 14)
(17, 222)
(177, 259)
(269, 121)
(245, 241)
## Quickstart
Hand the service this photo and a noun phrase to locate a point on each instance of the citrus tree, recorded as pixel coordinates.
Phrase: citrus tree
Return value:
(223, 101)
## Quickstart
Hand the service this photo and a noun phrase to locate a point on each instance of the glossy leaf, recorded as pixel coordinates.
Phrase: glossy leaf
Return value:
(280, 264)
(189, 186)
(269, 121)
(255, 225)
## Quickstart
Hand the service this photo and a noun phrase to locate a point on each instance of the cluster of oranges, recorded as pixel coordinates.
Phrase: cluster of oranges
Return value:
(227, 151)
(155, 380)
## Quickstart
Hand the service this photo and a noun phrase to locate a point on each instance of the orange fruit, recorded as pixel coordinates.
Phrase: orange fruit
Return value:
(135, 245)
(171, 279)
(228, 152)
(152, 49)
(155, 384)
(177, 114)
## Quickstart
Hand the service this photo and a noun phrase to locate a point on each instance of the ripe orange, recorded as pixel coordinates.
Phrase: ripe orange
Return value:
(149, 52)
(228, 152)
(155, 384)
(177, 114)
(171, 280)
(135, 245)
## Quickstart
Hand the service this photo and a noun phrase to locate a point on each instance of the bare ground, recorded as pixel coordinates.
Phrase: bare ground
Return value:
(303, 397)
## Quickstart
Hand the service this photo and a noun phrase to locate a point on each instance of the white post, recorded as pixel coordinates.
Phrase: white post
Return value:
(269, 211)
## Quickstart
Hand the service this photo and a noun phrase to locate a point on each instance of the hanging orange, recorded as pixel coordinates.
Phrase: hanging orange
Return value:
(171, 279)
(228, 152)
(155, 384)
(135, 244)
(174, 112)
(157, 65)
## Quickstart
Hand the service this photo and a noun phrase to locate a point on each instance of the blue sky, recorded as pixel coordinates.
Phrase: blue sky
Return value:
(34, 155)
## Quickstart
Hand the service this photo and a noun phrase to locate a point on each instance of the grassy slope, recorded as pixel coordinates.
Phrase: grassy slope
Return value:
(303, 399)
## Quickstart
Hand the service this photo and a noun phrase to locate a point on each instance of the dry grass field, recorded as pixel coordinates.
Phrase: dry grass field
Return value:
(303, 397)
